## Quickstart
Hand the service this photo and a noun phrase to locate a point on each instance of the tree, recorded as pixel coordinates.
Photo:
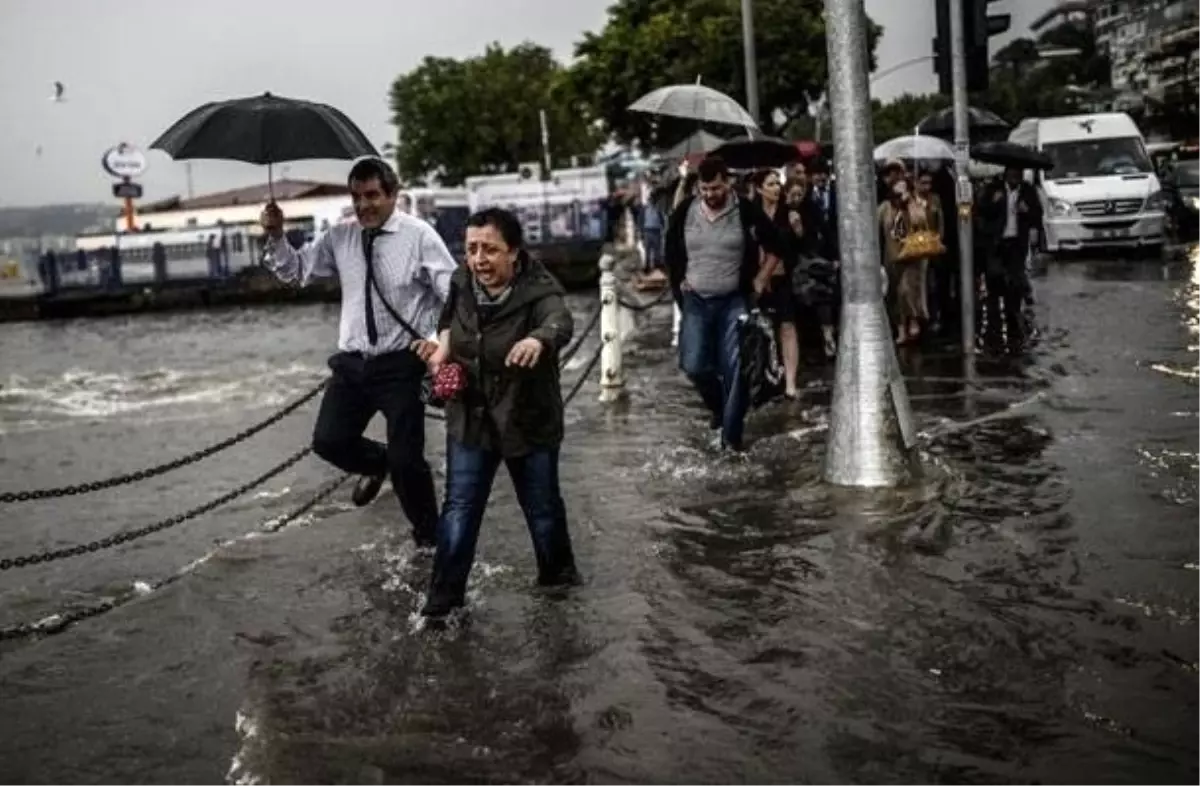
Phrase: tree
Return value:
(900, 116)
(646, 44)
(456, 118)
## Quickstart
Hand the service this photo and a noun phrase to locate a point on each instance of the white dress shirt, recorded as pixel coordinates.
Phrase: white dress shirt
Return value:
(1012, 194)
(412, 268)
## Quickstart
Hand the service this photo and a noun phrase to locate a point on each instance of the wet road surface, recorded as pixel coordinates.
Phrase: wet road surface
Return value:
(1029, 614)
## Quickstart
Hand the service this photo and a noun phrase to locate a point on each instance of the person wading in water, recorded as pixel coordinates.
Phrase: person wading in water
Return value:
(395, 274)
(716, 264)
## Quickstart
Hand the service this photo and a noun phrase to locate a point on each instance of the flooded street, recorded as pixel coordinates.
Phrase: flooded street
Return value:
(1029, 614)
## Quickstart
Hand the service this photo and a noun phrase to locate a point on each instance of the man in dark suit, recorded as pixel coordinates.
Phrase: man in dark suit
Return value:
(1009, 215)
(824, 208)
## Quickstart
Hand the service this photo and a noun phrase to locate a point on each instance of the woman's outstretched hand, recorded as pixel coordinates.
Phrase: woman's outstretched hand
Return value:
(525, 353)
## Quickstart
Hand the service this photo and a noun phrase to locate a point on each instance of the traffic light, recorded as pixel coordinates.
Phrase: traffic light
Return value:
(978, 27)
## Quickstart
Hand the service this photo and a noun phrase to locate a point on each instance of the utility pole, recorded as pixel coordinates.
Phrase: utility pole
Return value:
(187, 168)
(962, 157)
(751, 59)
(871, 435)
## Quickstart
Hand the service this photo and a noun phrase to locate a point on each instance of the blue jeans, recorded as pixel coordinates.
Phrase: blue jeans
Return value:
(469, 475)
(710, 355)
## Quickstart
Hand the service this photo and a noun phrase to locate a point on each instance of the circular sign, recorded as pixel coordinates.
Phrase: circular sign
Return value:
(123, 161)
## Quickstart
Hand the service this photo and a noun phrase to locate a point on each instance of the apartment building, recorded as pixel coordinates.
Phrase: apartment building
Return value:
(1134, 32)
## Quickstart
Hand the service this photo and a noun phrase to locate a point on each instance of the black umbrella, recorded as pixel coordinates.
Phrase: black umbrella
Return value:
(978, 121)
(1008, 154)
(264, 129)
(756, 152)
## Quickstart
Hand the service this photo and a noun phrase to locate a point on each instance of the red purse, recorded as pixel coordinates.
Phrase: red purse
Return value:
(449, 381)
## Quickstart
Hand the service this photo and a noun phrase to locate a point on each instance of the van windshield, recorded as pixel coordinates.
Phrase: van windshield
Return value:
(1097, 158)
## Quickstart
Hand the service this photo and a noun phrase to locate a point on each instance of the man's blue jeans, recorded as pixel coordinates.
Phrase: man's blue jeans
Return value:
(469, 475)
(710, 355)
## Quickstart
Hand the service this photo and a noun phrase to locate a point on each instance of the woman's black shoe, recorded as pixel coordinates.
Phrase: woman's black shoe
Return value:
(367, 489)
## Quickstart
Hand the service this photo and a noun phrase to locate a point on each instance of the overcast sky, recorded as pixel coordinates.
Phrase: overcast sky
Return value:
(132, 67)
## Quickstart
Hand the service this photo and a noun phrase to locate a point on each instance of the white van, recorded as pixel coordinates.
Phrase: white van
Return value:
(1103, 190)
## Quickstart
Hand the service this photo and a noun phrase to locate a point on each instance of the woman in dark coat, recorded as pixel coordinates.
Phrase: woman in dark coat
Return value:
(504, 322)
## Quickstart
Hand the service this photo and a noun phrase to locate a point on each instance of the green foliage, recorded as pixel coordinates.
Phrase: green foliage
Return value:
(457, 118)
(900, 116)
(647, 44)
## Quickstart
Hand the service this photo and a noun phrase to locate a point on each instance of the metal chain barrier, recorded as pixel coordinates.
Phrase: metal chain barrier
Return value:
(161, 469)
(645, 305)
(60, 621)
(571, 351)
(8, 563)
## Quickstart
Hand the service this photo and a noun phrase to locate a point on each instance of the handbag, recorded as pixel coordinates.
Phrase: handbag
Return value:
(450, 379)
(922, 244)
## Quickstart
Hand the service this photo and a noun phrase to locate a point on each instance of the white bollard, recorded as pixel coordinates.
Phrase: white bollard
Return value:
(676, 325)
(612, 376)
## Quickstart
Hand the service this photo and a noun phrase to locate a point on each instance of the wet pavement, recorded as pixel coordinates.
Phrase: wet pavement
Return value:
(1028, 614)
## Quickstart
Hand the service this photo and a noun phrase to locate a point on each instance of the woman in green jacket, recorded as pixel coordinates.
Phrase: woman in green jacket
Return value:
(504, 322)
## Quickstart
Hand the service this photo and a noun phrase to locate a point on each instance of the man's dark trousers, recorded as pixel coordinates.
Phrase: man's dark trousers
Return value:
(360, 387)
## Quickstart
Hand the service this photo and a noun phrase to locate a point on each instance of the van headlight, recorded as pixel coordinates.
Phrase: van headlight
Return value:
(1193, 202)
(1155, 203)
(1060, 207)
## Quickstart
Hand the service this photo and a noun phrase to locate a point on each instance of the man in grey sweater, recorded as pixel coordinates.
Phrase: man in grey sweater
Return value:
(720, 253)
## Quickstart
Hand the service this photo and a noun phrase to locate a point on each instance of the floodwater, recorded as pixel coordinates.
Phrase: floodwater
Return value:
(1028, 614)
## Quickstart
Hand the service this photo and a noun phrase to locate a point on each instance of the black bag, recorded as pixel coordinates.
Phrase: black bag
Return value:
(761, 371)
(815, 281)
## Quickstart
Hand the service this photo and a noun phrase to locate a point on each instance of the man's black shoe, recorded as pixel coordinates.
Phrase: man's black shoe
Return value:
(714, 421)
(425, 540)
(367, 489)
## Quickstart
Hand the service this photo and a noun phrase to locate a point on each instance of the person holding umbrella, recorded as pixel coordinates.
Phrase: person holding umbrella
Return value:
(395, 273)
(1010, 215)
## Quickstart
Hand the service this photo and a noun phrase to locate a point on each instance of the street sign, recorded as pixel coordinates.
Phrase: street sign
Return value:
(127, 190)
(123, 161)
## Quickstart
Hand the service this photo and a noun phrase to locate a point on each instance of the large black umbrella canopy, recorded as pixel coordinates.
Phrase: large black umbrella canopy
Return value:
(1008, 154)
(757, 152)
(941, 124)
(264, 129)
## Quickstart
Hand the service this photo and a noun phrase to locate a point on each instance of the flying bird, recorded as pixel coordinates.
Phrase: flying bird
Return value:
(58, 92)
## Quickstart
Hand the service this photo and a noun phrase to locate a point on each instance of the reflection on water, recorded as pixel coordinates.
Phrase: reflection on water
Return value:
(1029, 614)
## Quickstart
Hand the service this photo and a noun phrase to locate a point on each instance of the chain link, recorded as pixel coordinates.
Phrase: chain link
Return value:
(119, 538)
(60, 621)
(161, 469)
(643, 306)
(571, 351)
(583, 377)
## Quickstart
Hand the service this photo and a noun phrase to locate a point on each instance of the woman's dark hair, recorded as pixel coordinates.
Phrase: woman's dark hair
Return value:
(506, 223)
(760, 177)
(371, 167)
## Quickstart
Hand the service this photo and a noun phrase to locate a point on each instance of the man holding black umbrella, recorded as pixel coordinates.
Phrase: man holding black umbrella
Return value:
(395, 273)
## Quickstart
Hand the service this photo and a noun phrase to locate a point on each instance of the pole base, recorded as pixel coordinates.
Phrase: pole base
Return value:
(610, 394)
(871, 438)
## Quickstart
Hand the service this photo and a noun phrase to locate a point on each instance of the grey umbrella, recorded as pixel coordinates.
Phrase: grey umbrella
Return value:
(694, 102)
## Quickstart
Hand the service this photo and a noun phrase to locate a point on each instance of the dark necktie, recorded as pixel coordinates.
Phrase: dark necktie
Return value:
(368, 242)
